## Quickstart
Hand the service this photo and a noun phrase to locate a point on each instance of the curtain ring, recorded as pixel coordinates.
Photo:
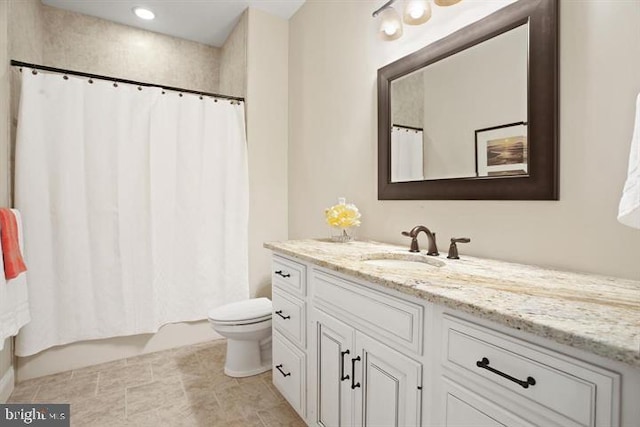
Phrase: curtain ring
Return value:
(215, 99)
(115, 84)
(65, 77)
(163, 92)
(201, 97)
(180, 95)
(139, 88)
(90, 81)
(34, 72)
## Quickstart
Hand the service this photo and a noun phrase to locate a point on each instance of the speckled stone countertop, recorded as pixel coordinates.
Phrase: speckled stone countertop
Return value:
(597, 314)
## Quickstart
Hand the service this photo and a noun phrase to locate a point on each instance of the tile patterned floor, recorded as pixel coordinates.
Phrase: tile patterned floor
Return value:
(178, 387)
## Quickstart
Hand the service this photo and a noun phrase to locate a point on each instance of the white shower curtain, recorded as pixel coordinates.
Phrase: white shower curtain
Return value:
(406, 154)
(134, 205)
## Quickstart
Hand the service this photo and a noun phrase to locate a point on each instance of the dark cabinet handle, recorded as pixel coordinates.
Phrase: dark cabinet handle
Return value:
(484, 364)
(353, 373)
(279, 368)
(281, 274)
(342, 375)
(279, 313)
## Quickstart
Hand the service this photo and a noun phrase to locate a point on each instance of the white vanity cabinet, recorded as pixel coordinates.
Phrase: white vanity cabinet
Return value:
(359, 380)
(355, 353)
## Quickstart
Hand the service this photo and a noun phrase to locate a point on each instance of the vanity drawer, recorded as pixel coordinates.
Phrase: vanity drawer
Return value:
(289, 316)
(289, 275)
(394, 321)
(289, 372)
(573, 392)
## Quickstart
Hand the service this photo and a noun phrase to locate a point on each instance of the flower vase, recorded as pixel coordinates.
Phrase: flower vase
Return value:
(343, 234)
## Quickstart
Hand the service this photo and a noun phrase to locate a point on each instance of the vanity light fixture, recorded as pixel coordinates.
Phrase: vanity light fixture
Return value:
(390, 24)
(415, 12)
(143, 13)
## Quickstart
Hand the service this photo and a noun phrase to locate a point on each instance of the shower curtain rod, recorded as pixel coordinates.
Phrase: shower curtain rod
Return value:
(15, 63)
(407, 127)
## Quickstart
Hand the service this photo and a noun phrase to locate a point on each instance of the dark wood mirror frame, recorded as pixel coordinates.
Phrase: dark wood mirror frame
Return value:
(542, 109)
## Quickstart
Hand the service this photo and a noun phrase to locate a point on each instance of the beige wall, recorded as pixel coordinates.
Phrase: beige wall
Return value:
(334, 55)
(267, 132)
(233, 60)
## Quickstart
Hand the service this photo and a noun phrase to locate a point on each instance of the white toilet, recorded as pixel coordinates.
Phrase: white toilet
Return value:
(247, 327)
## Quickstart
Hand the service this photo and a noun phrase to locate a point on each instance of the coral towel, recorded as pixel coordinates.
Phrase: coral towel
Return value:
(11, 255)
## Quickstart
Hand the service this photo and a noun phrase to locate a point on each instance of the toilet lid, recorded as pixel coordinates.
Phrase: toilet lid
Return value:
(243, 311)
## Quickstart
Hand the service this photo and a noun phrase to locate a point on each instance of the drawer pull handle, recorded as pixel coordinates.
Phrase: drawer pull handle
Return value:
(354, 385)
(484, 364)
(281, 274)
(279, 368)
(279, 313)
(342, 375)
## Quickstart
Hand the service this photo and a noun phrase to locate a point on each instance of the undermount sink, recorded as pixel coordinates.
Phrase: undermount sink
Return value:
(402, 261)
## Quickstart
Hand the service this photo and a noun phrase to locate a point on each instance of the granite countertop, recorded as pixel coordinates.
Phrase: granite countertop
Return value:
(597, 314)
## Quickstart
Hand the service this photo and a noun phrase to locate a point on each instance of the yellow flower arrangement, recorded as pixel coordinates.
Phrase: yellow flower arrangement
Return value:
(343, 215)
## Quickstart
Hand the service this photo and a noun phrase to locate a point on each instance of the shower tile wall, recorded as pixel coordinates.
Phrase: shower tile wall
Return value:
(233, 60)
(81, 42)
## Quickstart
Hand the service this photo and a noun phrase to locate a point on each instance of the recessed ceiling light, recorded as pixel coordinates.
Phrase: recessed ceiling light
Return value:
(143, 13)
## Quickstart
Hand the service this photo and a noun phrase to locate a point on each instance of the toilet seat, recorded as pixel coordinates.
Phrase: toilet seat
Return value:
(240, 322)
(245, 312)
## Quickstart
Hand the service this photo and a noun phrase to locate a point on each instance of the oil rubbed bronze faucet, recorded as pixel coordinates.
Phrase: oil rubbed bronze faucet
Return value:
(453, 248)
(431, 237)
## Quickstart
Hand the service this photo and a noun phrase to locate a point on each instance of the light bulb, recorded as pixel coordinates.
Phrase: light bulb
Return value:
(143, 13)
(417, 12)
(390, 29)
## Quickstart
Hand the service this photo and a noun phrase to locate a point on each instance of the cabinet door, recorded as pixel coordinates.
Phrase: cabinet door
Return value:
(335, 350)
(390, 383)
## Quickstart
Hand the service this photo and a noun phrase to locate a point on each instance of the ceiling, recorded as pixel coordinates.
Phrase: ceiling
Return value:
(204, 21)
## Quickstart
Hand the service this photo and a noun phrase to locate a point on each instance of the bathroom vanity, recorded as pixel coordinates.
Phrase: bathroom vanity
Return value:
(366, 333)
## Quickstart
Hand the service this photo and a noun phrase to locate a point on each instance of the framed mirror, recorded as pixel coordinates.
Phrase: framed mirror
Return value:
(474, 116)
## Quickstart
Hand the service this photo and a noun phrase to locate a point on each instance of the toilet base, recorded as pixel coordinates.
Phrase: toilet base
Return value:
(244, 359)
(247, 373)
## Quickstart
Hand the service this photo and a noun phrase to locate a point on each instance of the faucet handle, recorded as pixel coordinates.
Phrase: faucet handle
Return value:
(460, 240)
(414, 242)
(453, 248)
